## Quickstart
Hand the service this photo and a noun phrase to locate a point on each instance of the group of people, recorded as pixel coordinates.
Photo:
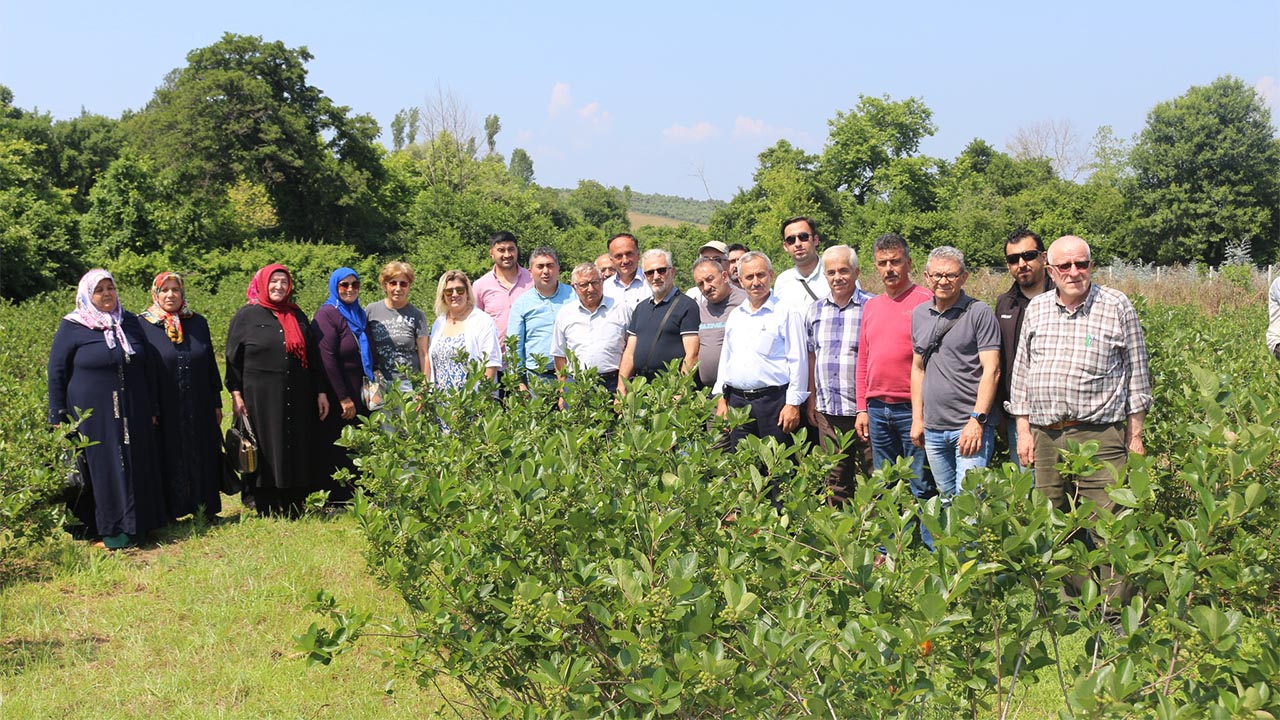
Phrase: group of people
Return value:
(922, 372)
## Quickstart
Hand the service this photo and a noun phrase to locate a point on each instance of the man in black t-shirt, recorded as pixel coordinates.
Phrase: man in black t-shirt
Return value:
(663, 327)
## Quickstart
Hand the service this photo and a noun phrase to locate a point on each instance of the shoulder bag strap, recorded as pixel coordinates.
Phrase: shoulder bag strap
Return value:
(665, 317)
(940, 333)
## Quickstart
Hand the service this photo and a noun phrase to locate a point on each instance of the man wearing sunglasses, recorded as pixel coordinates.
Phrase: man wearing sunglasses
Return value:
(802, 285)
(1024, 255)
(1080, 374)
(664, 327)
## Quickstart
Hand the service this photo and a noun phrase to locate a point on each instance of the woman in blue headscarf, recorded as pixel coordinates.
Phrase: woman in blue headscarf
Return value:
(348, 359)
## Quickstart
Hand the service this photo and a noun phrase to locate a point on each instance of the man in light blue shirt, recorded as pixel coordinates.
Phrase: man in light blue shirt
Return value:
(764, 363)
(533, 315)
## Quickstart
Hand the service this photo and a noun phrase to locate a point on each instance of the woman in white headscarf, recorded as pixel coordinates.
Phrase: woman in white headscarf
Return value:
(100, 362)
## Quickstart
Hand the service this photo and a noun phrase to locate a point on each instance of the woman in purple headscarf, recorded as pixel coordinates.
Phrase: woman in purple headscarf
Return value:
(100, 362)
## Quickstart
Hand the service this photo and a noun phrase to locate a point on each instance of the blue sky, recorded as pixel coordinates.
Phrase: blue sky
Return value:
(651, 94)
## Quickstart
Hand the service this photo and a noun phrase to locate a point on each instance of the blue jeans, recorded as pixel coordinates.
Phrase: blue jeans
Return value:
(889, 425)
(1011, 433)
(948, 465)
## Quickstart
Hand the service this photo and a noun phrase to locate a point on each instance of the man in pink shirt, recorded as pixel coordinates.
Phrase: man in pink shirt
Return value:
(882, 384)
(497, 289)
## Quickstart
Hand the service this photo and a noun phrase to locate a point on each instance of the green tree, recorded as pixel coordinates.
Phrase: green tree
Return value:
(521, 166)
(38, 238)
(865, 140)
(1207, 172)
(492, 126)
(600, 206)
(787, 183)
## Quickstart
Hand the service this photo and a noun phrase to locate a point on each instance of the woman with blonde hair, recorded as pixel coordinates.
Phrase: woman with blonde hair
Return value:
(461, 333)
(399, 331)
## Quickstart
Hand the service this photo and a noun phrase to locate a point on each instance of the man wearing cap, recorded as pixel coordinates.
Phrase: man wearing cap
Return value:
(713, 250)
(1081, 374)
(663, 327)
(592, 327)
(716, 298)
(1024, 254)
(802, 285)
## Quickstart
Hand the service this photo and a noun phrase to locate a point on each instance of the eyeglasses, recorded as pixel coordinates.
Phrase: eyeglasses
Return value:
(349, 284)
(587, 283)
(656, 271)
(399, 283)
(939, 277)
(455, 291)
(1078, 264)
(793, 239)
(1027, 255)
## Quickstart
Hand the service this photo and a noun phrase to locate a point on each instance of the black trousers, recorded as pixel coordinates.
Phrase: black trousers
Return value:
(763, 406)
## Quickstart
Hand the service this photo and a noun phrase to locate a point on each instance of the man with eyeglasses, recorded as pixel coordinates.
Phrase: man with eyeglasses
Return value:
(593, 327)
(765, 364)
(802, 285)
(626, 284)
(497, 289)
(1024, 254)
(663, 328)
(533, 316)
(1081, 374)
(716, 298)
(955, 364)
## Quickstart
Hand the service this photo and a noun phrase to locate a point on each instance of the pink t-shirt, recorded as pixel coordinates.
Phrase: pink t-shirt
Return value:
(884, 355)
(496, 300)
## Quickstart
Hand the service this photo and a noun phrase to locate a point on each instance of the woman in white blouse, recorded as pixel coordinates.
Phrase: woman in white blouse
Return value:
(461, 333)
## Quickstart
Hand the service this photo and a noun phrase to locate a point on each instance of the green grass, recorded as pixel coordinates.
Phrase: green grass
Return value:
(197, 625)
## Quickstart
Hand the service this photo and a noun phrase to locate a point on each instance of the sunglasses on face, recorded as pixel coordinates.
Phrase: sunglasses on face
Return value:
(455, 291)
(398, 283)
(1028, 255)
(793, 239)
(1078, 264)
(656, 271)
(349, 284)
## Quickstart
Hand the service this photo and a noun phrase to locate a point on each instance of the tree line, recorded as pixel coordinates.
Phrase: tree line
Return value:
(236, 149)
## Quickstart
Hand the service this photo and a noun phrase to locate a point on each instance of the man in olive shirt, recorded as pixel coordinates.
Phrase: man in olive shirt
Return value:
(717, 296)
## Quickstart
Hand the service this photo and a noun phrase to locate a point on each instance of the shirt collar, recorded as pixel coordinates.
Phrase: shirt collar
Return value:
(858, 297)
(768, 305)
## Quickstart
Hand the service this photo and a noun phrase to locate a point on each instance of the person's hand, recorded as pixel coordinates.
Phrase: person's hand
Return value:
(1135, 445)
(322, 403)
(811, 411)
(970, 440)
(217, 416)
(862, 426)
(238, 405)
(722, 407)
(917, 433)
(1026, 449)
(348, 409)
(789, 418)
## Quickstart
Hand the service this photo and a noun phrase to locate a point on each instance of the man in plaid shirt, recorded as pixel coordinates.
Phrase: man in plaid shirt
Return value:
(831, 331)
(1080, 374)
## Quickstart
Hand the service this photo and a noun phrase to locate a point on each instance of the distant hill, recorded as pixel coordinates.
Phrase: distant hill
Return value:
(680, 209)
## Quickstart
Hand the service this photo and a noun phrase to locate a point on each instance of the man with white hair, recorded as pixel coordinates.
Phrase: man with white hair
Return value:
(763, 365)
(592, 326)
(1081, 374)
(664, 327)
(832, 335)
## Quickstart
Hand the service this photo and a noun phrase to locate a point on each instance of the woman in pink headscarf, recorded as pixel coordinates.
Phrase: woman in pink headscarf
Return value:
(100, 362)
(276, 379)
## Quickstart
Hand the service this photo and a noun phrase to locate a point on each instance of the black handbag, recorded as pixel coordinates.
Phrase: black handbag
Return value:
(241, 446)
(77, 475)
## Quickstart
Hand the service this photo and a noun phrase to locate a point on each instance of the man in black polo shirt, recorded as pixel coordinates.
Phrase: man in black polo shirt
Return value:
(1024, 253)
(663, 327)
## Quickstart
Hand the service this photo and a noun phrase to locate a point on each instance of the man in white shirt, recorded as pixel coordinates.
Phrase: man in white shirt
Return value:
(591, 326)
(626, 284)
(764, 363)
(805, 283)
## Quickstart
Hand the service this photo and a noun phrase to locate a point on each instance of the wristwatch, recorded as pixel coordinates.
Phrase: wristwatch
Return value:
(980, 417)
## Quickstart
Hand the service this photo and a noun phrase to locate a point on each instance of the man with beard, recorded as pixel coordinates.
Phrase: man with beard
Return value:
(664, 327)
(1024, 253)
(716, 298)
(497, 289)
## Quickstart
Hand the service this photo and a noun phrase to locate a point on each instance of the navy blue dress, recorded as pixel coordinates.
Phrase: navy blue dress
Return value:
(123, 465)
(190, 439)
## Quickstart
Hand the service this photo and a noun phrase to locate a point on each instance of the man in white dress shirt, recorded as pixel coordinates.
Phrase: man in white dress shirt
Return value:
(805, 283)
(591, 326)
(764, 363)
(626, 284)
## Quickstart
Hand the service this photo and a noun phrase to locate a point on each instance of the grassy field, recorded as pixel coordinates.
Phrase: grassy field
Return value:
(197, 625)
(643, 219)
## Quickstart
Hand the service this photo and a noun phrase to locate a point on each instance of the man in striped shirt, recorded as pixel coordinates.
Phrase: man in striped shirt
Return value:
(831, 331)
(1080, 374)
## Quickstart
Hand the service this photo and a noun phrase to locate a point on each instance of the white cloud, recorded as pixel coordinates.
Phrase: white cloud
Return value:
(745, 128)
(592, 113)
(561, 99)
(702, 131)
(1269, 89)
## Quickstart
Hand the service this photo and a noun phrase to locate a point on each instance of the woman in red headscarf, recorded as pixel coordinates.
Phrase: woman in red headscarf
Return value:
(276, 380)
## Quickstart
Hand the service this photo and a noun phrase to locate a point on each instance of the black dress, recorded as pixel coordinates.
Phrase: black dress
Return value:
(344, 371)
(190, 439)
(281, 395)
(123, 465)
